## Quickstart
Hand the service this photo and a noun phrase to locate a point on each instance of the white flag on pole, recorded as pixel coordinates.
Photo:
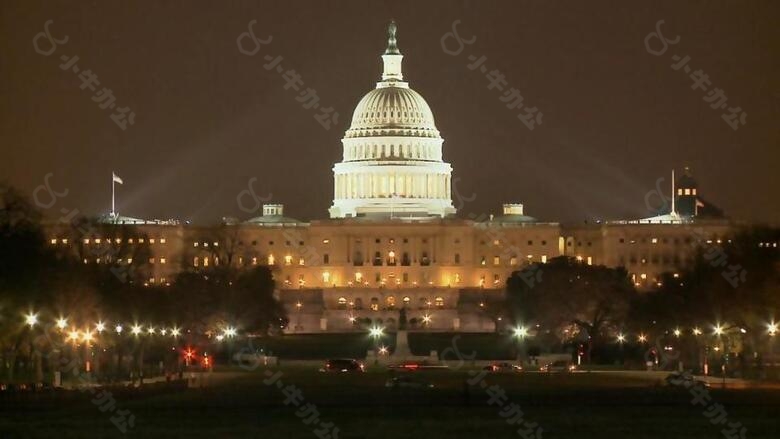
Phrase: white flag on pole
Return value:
(116, 178)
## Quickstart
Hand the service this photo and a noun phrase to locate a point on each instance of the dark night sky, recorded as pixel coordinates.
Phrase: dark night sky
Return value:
(209, 118)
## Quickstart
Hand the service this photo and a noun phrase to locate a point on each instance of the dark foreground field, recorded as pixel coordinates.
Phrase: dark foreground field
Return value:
(239, 404)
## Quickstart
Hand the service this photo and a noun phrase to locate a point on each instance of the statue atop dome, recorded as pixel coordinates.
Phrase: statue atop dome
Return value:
(392, 48)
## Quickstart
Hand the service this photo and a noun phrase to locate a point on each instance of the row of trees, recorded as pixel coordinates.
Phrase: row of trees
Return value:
(731, 290)
(52, 283)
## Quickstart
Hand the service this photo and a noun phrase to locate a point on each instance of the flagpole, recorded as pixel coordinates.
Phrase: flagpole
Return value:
(673, 194)
(113, 183)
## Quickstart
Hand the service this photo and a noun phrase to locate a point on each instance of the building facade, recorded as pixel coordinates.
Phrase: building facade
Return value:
(393, 240)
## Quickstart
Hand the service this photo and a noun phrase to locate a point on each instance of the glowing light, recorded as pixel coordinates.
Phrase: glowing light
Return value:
(230, 331)
(718, 330)
(677, 332)
(772, 328)
(163, 331)
(175, 331)
(383, 350)
(642, 338)
(136, 329)
(696, 331)
(118, 329)
(220, 337)
(621, 338)
(376, 331)
(62, 322)
(87, 336)
(73, 335)
(100, 327)
(426, 319)
(521, 332)
(31, 319)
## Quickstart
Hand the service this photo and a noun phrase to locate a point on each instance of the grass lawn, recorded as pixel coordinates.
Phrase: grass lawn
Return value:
(583, 405)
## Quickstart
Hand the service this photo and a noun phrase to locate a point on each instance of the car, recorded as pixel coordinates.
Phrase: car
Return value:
(685, 379)
(343, 365)
(407, 382)
(560, 366)
(503, 367)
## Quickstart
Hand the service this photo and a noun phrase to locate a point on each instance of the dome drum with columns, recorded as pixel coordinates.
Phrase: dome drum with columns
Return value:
(392, 161)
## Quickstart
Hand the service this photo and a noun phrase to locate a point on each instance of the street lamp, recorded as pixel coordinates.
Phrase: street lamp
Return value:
(521, 332)
(118, 329)
(696, 331)
(642, 338)
(230, 332)
(718, 330)
(175, 331)
(31, 319)
(100, 327)
(621, 338)
(62, 322)
(677, 332)
(136, 330)
(772, 329)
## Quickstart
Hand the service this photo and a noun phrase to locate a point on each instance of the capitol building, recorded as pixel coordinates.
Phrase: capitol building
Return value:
(393, 239)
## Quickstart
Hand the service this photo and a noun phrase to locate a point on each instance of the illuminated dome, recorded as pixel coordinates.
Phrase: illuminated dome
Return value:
(392, 163)
(392, 109)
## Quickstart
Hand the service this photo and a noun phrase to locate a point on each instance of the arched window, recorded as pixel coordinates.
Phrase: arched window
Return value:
(374, 304)
(407, 300)
(439, 302)
(358, 303)
(390, 302)
(377, 259)
(358, 259)
(424, 303)
(342, 303)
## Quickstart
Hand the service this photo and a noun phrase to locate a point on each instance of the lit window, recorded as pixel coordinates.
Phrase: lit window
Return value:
(206, 261)
(195, 261)
(216, 244)
(544, 259)
(496, 260)
(300, 280)
(301, 261)
(162, 260)
(358, 277)
(162, 240)
(407, 300)
(496, 242)
(679, 191)
(457, 278)
(590, 260)
(643, 276)
(439, 302)
(579, 258)
(325, 276)
(687, 191)
(151, 240)
(654, 240)
(254, 260)
(151, 280)
(118, 240)
(482, 261)
(130, 240)
(140, 241)
(390, 301)
(496, 279)
(151, 260)
(86, 241)
(693, 191)
(342, 302)
(65, 241)
(97, 240)
(54, 240)
(129, 260)
(326, 241)
(288, 260)
(513, 260)
(194, 244)
(374, 304)
(271, 260)
(205, 244)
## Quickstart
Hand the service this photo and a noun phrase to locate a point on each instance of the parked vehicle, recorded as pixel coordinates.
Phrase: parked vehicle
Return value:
(685, 379)
(503, 367)
(343, 365)
(559, 366)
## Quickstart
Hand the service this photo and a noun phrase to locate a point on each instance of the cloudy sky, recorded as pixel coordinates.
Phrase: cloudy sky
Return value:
(209, 119)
